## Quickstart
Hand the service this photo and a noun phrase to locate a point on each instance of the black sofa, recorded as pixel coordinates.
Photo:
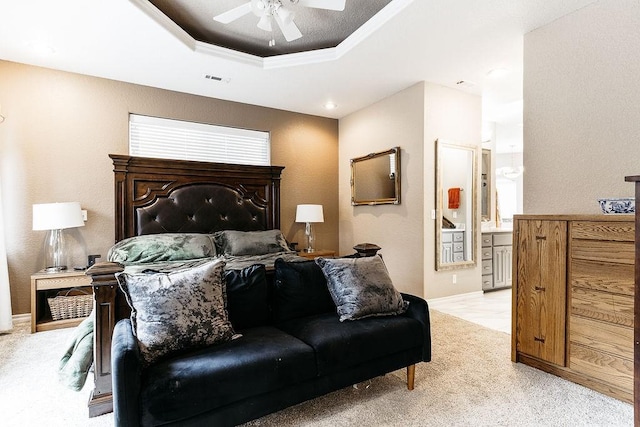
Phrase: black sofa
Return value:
(293, 348)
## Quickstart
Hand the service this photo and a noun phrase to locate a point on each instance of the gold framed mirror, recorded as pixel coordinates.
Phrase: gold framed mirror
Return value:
(375, 178)
(486, 185)
(456, 205)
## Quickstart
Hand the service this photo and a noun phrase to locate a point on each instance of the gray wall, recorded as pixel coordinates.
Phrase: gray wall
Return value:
(581, 108)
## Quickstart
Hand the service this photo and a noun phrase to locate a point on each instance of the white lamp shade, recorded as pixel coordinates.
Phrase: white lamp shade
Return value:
(309, 213)
(57, 216)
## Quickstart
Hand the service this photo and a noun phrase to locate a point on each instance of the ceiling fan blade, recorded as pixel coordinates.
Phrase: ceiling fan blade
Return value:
(233, 14)
(324, 4)
(289, 29)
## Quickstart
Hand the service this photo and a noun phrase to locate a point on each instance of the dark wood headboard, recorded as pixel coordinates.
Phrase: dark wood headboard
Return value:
(162, 196)
(155, 196)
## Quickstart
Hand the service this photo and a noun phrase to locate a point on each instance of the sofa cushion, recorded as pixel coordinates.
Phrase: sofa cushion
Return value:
(300, 290)
(340, 345)
(172, 312)
(263, 360)
(162, 247)
(237, 243)
(361, 287)
(247, 297)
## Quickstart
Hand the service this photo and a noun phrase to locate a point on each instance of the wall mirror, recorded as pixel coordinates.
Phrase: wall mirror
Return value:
(456, 205)
(375, 178)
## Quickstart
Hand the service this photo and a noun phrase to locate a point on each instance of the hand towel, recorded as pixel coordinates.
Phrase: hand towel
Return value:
(454, 198)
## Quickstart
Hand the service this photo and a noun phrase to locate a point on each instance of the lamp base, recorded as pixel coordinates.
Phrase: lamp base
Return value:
(310, 237)
(57, 269)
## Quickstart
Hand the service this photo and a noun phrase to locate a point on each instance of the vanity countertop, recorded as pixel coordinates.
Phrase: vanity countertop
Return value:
(452, 230)
(497, 230)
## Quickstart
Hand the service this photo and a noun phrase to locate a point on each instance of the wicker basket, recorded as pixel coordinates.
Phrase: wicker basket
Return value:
(71, 304)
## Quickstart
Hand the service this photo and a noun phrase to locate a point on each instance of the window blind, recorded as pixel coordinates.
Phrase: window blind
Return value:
(181, 140)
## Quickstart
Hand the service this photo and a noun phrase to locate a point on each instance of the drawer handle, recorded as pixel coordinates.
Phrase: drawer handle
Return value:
(539, 339)
(541, 237)
(540, 288)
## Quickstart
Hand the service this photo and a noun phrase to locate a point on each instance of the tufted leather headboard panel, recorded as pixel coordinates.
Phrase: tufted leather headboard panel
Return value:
(155, 196)
(201, 208)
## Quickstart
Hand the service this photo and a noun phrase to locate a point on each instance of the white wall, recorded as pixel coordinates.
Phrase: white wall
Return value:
(413, 119)
(581, 108)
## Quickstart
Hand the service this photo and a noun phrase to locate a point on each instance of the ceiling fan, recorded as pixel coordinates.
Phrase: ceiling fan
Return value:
(274, 10)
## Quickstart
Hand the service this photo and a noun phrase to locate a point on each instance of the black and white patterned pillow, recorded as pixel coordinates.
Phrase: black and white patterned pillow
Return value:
(361, 287)
(179, 310)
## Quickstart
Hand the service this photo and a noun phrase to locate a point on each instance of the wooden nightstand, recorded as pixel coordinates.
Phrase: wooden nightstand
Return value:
(45, 285)
(317, 253)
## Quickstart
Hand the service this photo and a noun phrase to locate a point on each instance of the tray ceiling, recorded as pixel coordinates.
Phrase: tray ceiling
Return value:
(320, 28)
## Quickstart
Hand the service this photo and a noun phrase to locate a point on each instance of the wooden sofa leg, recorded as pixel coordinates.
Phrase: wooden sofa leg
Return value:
(411, 373)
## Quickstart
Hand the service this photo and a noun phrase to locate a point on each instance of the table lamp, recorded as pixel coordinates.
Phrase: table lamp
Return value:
(309, 214)
(55, 217)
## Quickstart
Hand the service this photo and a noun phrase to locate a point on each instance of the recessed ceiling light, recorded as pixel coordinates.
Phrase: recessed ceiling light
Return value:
(330, 105)
(497, 73)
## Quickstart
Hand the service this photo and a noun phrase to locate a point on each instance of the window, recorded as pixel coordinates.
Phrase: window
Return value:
(176, 139)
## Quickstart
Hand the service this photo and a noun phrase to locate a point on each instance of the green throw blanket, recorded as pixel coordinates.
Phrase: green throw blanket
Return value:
(76, 362)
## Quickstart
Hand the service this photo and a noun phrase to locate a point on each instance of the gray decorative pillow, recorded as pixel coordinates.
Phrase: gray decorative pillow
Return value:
(180, 310)
(162, 247)
(361, 287)
(236, 243)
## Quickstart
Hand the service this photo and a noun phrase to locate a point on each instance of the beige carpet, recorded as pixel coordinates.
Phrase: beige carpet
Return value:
(470, 382)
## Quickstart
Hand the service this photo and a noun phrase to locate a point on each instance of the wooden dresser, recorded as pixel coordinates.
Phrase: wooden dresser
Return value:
(573, 290)
(636, 355)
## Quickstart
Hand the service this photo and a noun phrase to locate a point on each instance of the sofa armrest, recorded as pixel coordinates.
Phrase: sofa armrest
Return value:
(419, 310)
(126, 367)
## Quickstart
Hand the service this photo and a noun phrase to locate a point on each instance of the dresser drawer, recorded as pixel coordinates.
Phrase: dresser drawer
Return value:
(65, 282)
(602, 230)
(602, 336)
(487, 267)
(603, 251)
(503, 239)
(603, 276)
(458, 247)
(458, 257)
(487, 282)
(602, 366)
(487, 240)
(603, 306)
(458, 237)
(487, 253)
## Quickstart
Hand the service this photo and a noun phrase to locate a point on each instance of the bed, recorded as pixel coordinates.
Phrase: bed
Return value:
(159, 196)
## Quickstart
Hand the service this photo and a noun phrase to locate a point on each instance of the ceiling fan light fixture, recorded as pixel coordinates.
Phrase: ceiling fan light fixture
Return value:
(268, 9)
(265, 23)
(260, 7)
(285, 14)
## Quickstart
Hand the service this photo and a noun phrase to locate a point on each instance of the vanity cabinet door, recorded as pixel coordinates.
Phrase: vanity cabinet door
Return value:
(541, 289)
